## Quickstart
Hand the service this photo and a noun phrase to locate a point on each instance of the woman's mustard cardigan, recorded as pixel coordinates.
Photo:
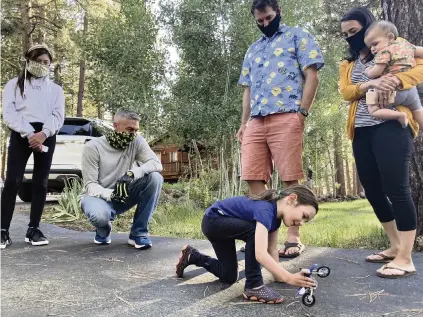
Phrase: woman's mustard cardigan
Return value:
(351, 92)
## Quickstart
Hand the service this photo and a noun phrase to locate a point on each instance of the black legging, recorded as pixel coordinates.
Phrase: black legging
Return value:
(18, 155)
(222, 231)
(382, 155)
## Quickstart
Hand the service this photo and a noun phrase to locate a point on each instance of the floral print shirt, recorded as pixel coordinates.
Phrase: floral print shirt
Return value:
(398, 56)
(273, 68)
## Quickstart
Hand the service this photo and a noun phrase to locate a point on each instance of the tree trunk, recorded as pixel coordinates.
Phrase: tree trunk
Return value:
(40, 36)
(327, 181)
(99, 111)
(4, 153)
(354, 176)
(333, 176)
(339, 176)
(360, 188)
(26, 25)
(57, 70)
(407, 15)
(347, 173)
(82, 68)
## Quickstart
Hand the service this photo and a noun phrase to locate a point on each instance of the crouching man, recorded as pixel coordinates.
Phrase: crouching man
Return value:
(113, 185)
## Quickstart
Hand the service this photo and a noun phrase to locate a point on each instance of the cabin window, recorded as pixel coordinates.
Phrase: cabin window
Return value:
(173, 156)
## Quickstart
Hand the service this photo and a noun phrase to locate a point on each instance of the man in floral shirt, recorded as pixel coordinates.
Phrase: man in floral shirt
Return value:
(280, 78)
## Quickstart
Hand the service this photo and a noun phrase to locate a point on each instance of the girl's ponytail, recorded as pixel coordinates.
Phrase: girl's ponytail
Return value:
(304, 195)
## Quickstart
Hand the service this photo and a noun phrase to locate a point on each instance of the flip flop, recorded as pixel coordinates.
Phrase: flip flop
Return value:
(288, 245)
(385, 258)
(386, 267)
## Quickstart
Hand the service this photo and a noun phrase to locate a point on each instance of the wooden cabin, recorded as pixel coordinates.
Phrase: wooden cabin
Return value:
(174, 159)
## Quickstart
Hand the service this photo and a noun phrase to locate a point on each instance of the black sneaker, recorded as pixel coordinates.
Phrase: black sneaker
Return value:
(5, 239)
(35, 237)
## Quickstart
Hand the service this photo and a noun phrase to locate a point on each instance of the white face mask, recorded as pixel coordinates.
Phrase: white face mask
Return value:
(38, 69)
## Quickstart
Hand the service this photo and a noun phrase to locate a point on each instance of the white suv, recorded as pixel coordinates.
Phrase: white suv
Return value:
(67, 156)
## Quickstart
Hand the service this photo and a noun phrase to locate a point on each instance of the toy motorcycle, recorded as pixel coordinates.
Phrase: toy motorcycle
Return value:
(308, 298)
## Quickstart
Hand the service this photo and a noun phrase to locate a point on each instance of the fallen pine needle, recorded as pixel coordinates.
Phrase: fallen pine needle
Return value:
(121, 299)
(417, 311)
(361, 277)
(372, 295)
(111, 260)
(344, 259)
(205, 291)
(29, 264)
(376, 295)
(355, 295)
(292, 303)
(57, 301)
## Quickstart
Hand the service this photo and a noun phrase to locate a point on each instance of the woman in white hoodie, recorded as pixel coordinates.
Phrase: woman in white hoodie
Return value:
(33, 109)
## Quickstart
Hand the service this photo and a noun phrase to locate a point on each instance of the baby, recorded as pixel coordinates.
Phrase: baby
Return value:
(392, 55)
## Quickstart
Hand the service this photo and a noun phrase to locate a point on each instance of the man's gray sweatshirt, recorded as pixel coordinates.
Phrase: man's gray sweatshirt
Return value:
(102, 164)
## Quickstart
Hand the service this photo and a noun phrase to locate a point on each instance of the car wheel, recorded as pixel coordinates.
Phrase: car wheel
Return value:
(25, 192)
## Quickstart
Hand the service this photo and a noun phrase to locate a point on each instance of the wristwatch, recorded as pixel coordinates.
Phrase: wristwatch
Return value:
(303, 111)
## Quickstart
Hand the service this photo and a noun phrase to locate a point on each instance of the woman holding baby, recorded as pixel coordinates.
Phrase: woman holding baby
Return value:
(382, 134)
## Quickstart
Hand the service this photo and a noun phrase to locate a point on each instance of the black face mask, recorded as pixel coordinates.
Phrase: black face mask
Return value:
(356, 41)
(272, 27)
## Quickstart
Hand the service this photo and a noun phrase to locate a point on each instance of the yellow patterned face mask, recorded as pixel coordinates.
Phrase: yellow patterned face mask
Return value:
(120, 140)
(38, 69)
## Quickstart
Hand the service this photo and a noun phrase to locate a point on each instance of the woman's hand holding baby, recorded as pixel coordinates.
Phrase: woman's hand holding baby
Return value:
(384, 87)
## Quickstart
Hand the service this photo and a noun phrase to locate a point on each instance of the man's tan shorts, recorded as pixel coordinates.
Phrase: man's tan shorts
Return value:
(275, 138)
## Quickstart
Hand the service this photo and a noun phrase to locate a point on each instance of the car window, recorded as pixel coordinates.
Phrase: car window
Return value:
(99, 129)
(84, 128)
(76, 128)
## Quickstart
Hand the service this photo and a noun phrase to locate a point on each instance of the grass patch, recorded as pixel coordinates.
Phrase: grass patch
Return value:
(344, 225)
(340, 225)
(178, 220)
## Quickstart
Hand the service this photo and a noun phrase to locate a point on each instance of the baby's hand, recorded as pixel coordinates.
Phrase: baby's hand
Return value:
(367, 71)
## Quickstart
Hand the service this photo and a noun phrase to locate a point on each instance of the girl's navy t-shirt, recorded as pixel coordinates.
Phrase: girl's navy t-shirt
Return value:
(245, 208)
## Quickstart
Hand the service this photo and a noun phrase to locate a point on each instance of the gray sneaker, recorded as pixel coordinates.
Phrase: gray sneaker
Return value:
(263, 294)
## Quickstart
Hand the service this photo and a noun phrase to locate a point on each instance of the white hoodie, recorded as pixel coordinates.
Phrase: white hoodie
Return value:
(44, 102)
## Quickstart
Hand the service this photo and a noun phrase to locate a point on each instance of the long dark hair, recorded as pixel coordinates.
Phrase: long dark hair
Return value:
(304, 195)
(31, 56)
(365, 18)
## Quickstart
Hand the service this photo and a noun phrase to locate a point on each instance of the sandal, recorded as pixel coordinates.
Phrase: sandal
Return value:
(263, 294)
(394, 276)
(384, 258)
(183, 261)
(288, 245)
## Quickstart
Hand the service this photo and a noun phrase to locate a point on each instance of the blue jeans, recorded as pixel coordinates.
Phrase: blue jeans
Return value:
(144, 192)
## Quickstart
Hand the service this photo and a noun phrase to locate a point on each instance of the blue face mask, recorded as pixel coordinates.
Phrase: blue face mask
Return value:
(272, 27)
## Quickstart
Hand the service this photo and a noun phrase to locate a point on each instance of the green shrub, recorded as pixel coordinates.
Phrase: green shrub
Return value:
(69, 208)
